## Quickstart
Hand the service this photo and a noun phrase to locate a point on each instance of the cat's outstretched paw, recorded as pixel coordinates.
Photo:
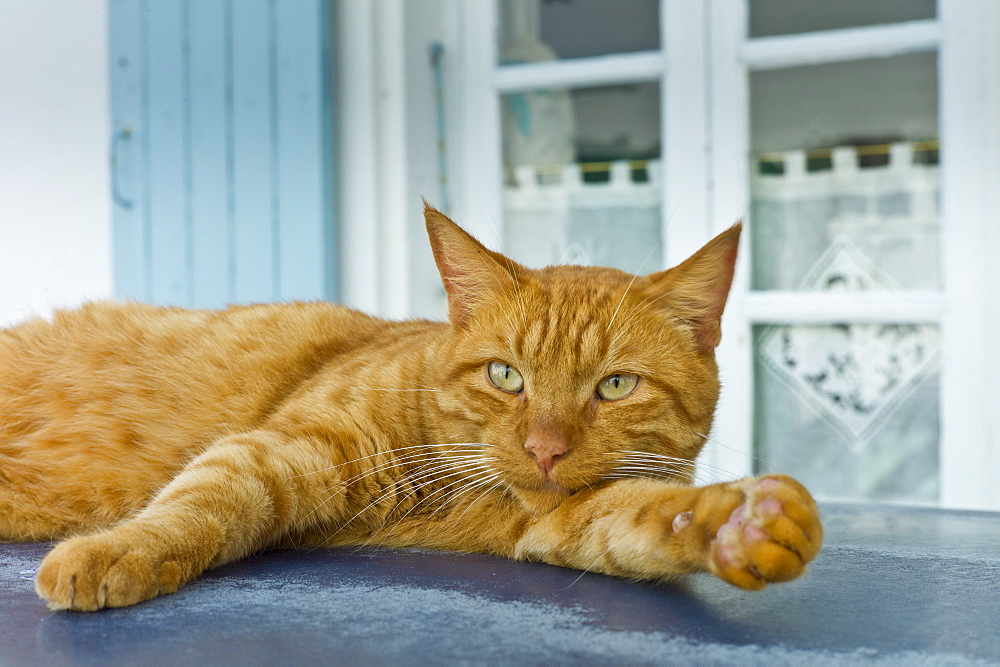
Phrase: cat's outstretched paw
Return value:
(769, 537)
(93, 572)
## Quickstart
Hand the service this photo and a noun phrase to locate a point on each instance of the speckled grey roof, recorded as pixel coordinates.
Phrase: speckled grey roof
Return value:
(897, 586)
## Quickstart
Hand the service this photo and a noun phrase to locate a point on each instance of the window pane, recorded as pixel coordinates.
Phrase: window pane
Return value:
(783, 17)
(850, 410)
(538, 30)
(844, 177)
(582, 176)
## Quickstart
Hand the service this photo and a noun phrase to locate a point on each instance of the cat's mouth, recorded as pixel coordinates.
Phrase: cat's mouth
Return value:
(543, 484)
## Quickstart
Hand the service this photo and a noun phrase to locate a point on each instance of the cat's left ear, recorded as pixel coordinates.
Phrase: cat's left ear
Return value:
(695, 291)
(470, 271)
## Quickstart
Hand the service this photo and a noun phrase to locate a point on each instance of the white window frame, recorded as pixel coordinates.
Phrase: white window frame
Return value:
(685, 190)
(373, 207)
(703, 71)
(965, 309)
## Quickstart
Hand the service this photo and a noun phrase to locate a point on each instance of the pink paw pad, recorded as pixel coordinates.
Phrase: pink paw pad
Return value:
(767, 484)
(744, 525)
(761, 542)
(769, 507)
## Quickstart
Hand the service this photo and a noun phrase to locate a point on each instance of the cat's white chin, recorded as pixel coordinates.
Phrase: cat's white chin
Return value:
(542, 499)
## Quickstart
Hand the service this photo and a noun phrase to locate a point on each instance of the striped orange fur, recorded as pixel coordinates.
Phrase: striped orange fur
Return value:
(555, 417)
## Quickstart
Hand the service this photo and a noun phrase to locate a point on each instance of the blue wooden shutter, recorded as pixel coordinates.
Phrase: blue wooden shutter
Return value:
(222, 153)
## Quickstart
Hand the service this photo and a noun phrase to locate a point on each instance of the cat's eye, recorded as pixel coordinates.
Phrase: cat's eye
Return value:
(617, 386)
(505, 377)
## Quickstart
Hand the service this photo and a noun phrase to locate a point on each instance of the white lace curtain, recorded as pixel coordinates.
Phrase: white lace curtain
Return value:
(850, 408)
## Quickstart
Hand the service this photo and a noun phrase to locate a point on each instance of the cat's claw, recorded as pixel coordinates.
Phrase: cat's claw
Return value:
(769, 537)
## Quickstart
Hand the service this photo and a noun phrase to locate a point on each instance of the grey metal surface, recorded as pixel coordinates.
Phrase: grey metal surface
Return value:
(891, 585)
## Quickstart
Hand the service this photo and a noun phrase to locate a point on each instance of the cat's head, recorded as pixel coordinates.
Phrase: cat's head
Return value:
(575, 374)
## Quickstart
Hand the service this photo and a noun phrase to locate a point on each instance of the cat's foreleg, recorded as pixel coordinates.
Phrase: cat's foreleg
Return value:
(750, 533)
(242, 494)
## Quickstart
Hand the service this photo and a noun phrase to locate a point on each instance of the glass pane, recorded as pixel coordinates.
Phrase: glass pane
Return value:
(783, 17)
(844, 176)
(850, 410)
(582, 176)
(539, 30)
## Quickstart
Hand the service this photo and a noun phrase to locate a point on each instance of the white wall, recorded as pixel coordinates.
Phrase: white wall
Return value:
(55, 216)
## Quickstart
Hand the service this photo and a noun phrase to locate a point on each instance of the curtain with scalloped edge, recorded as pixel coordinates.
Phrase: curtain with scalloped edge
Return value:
(850, 408)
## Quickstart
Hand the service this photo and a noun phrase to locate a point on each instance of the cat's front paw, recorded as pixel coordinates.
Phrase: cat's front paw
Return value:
(770, 536)
(104, 570)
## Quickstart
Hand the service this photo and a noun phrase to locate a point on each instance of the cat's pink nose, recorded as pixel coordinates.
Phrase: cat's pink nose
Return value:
(546, 446)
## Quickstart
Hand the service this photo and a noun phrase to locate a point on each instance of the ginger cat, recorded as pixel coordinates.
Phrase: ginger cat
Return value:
(555, 418)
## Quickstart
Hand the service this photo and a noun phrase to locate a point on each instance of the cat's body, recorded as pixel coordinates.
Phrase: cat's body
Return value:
(555, 418)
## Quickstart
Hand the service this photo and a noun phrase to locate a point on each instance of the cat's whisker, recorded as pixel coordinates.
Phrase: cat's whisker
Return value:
(673, 473)
(660, 474)
(632, 317)
(637, 452)
(393, 490)
(464, 484)
(646, 476)
(355, 460)
(629, 287)
(680, 468)
(471, 484)
(413, 459)
(573, 583)
(478, 498)
(518, 296)
(622, 301)
(663, 457)
(719, 474)
(684, 475)
(701, 472)
(590, 567)
(417, 461)
(452, 494)
(426, 473)
(429, 476)
(649, 456)
(390, 452)
(499, 281)
(468, 486)
(655, 464)
(484, 469)
(399, 390)
(718, 443)
(632, 313)
(674, 465)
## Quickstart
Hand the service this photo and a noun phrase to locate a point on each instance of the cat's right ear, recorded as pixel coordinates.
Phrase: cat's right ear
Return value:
(471, 272)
